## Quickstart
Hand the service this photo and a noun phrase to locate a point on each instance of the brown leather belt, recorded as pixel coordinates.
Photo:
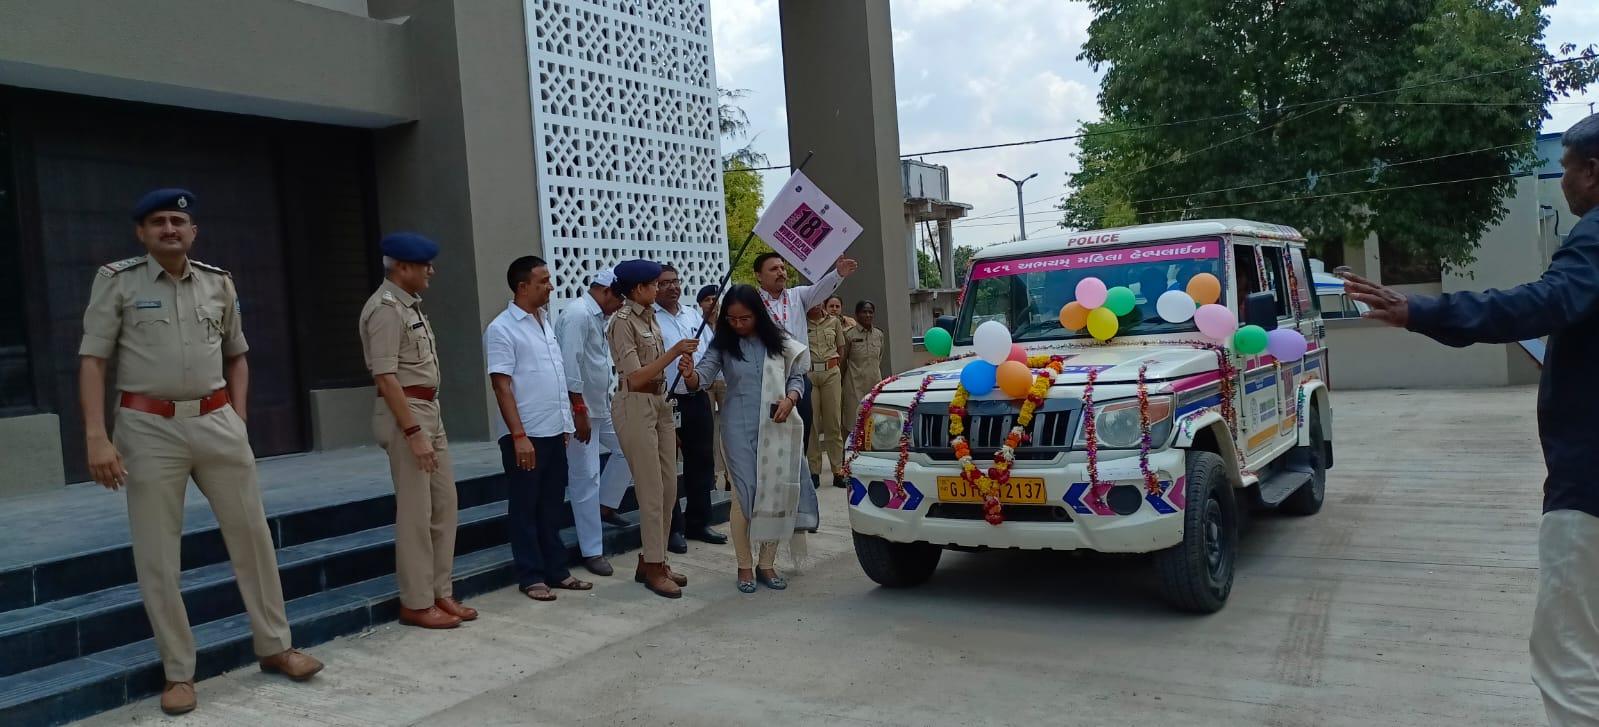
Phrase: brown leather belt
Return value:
(423, 393)
(161, 407)
(655, 387)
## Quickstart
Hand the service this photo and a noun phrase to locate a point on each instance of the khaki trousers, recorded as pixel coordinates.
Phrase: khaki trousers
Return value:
(741, 539)
(1565, 625)
(827, 396)
(644, 424)
(424, 506)
(161, 454)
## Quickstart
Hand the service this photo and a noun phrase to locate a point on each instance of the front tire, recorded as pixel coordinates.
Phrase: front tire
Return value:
(896, 565)
(1196, 575)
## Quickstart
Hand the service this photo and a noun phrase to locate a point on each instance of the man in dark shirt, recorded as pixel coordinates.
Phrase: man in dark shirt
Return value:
(1561, 305)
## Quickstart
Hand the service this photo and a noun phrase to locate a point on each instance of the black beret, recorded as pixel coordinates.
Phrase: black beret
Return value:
(637, 272)
(409, 247)
(171, 199)
(708, 291)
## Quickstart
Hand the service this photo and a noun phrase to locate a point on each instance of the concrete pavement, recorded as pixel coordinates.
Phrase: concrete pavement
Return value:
(1407, 601)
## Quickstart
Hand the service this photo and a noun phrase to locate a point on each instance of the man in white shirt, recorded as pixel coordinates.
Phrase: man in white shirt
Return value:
(696, 428)
(587, 358)
(529, 379)
(787, 306)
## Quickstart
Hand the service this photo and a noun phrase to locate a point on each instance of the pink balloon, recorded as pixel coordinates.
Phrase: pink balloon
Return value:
(1286, 344)
(1017, 353)
(1091, 293)
(1215, 321)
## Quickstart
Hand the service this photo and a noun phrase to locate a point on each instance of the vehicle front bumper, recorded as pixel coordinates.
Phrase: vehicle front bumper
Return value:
(1157, 523)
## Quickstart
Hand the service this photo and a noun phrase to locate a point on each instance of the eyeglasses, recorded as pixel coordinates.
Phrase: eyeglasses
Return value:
(741, 320)
(670, 283)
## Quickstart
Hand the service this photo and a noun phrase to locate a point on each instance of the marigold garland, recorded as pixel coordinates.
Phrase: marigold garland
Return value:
(989, 485)
(1091, 437)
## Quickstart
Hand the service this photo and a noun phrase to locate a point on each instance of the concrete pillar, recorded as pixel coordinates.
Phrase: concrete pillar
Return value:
(946, 253)
(838, 67)
(464, 176)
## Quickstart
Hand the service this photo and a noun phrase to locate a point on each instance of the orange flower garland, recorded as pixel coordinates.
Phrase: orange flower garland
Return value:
(988, 485)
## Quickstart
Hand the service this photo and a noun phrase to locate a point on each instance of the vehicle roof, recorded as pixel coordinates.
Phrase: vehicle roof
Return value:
(1142, 233)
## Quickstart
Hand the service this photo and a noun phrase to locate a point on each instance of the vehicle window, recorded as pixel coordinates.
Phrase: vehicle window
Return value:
(1245, 275)
(1309, 305)
(1276, 279)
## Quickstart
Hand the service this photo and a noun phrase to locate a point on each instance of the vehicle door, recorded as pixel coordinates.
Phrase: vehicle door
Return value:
(1260, 387)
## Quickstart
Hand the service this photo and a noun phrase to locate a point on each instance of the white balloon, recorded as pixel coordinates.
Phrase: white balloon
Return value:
(1175, 306)
(992, 342)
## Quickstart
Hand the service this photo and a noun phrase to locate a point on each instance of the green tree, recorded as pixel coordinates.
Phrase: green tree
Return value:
(1215, 120)
(927, 274)
(963, 263)
(741, 186)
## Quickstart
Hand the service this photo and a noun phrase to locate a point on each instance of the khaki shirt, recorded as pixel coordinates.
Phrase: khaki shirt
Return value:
(635, 340)
(864, 366)
(396, 337)
(169, 336)
(826, 339)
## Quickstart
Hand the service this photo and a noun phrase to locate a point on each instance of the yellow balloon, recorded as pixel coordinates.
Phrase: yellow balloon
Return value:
(1204, 288)
(1102, 323)
(1073, 316)
(1015, 379)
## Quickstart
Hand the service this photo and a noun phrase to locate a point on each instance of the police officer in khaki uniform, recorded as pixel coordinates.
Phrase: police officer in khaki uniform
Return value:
(173, 326)
(826, 341)
(397, 341)
(644, 417)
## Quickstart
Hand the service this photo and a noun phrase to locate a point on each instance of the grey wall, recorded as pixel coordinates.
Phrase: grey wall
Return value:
(838, 67)
(1370, 355)
(276, 58)
(31, 457)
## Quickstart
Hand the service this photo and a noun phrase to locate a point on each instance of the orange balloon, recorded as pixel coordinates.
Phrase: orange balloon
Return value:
(1204, 288)
(1014, 378)
(1074, 316)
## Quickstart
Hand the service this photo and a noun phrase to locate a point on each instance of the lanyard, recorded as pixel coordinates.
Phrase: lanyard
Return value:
(780, 316)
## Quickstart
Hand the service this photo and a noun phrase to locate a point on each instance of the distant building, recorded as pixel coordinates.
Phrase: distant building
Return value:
(927, 202)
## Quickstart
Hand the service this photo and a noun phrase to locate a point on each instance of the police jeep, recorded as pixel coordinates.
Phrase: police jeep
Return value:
(1182, 434)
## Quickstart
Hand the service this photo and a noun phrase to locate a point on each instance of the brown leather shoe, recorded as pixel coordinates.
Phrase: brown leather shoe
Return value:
(639, 576)
(292, 663)
(599, 566)
(656, 579)
(178, 698)
(456, 608)
(428, 618)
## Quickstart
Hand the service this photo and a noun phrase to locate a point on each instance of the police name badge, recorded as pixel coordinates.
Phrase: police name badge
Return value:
(677, 414)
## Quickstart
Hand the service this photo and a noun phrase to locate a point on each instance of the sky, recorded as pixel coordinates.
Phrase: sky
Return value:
(1016, 78)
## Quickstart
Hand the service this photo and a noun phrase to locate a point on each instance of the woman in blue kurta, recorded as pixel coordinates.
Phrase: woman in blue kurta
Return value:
(765, 373)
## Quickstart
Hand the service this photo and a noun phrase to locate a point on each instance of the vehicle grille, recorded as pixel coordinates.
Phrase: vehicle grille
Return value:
(989, 422)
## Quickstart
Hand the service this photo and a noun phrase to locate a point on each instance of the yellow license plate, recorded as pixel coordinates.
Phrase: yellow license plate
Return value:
(1019, 491)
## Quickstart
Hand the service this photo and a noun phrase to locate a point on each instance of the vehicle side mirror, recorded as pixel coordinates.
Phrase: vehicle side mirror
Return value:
(1260, 309)
(947, 323)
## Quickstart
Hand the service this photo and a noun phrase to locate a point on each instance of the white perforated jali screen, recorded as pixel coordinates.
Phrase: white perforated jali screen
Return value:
(625, 137)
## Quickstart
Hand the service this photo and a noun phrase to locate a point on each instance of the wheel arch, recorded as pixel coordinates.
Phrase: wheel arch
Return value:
(1206, 432)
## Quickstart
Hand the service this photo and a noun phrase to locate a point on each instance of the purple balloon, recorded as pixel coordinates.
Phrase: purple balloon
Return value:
(1286, 344)
(1216, 321)
(1091, 293)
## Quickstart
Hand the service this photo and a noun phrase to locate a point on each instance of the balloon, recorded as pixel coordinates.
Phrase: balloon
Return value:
(1286, 344)
(1215, 321)
(1250, 340)
(1175, 306)
(1015, 379)
(938, 341)
(1017, 353)
(992, 342)
(1120, 300)
(1073, 316)
(1204, 288)
(1102, 323)
(978, 377)
(1091, 292)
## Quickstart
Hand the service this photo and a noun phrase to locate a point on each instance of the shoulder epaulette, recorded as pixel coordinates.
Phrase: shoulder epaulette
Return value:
(205, 266)
(111, 269)
(387, 298)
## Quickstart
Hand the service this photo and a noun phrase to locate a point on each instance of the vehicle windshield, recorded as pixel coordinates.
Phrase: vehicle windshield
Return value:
(1027, 294)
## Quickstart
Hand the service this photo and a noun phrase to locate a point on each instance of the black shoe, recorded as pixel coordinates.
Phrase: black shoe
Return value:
(816, 482)
(707, 535)
(677, 543)
(838, 481)
(613, 518)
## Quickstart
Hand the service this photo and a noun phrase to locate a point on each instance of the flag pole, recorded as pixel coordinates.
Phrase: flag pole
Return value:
(721, 287)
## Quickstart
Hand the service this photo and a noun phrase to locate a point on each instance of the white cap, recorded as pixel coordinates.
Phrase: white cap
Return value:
(606, 278)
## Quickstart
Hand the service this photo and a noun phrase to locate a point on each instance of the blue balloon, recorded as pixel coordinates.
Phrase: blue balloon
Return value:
(978, 377)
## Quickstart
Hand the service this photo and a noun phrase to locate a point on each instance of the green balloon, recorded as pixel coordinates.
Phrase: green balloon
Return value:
(939, 342)
(1250, 340)
(1120, 300)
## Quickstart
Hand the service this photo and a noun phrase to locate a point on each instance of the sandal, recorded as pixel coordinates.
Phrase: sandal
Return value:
(745, 586)
(539, 592)
(573, 584)
(773, 581)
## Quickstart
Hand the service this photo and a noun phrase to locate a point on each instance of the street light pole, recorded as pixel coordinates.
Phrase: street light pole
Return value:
(1021, 215)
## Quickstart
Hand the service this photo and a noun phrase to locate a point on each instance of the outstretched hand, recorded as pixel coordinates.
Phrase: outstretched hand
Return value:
(1387, 305)
(846, 266)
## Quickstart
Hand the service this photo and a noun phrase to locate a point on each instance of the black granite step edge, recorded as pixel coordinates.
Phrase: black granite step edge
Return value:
(60, 630)
(93, 570)
(88, 685)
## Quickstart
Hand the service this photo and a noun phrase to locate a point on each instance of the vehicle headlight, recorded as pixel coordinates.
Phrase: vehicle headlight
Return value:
(1117, 427)
(883, 427)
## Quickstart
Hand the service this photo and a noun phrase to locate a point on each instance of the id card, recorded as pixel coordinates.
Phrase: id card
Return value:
(677, 415)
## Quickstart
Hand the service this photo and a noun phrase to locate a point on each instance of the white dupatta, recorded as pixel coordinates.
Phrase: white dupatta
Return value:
(779, 461)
